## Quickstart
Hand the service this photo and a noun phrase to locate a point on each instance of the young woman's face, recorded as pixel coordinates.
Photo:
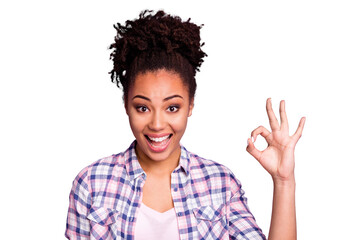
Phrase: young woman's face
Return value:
(158, 107)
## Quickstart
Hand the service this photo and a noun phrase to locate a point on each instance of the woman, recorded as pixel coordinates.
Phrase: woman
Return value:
(156, 189)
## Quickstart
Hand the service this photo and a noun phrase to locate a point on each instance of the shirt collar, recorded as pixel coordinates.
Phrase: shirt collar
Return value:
(184, 159)
(133, 166)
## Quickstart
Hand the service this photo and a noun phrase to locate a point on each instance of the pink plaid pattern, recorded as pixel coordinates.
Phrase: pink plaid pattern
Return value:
(208, 200)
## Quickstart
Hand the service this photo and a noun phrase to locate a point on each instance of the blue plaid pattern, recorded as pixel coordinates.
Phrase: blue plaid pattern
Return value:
(208, 200)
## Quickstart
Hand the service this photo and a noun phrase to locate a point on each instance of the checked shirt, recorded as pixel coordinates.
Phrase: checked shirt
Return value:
(208, 200)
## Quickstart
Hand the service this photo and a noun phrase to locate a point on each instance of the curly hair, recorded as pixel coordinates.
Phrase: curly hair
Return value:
(154, 42)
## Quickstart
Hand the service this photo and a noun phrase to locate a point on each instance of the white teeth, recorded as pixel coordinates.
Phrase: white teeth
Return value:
(159, 139)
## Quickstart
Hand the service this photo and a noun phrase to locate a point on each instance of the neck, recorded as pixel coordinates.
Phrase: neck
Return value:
(158, 167)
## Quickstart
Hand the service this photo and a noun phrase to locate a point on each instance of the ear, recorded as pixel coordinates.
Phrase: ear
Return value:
(126, 108)
(191, 106)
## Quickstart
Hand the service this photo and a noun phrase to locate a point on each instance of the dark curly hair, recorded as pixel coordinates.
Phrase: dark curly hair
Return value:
(154, 42)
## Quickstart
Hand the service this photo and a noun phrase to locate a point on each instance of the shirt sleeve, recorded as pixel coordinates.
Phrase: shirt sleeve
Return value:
(77, 225)
(242, 224)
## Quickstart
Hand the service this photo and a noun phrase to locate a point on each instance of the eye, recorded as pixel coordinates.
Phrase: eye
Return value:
(173, 108)
(142, 109)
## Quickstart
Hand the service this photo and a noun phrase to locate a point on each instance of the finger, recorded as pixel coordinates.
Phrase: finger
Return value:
(252, 150)
(274, 123)
(299, 130)
(263, 132)
(283, 117)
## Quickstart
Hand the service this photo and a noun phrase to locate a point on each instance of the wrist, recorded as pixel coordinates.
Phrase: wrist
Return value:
(288, 182)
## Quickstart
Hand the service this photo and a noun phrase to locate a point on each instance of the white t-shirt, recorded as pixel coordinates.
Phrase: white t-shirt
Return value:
(151, 224)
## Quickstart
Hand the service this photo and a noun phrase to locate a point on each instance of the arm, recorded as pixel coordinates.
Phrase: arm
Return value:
(278, 159)
(283, 219)
(77, 224)
(242, 224)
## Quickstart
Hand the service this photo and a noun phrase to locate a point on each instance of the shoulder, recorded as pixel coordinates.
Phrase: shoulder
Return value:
(199, 164)
(107, 164)
(101, 168)
(206, 173)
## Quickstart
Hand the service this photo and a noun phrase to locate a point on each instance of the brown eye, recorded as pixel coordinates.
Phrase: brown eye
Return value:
(142, 109)
(173, 108)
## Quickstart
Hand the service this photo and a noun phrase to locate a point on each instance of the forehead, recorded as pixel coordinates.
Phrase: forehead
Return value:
(160, 83)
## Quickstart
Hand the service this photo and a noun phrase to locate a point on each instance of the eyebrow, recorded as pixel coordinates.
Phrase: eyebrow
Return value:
(165, 99)
(142, 97)
(171, 97)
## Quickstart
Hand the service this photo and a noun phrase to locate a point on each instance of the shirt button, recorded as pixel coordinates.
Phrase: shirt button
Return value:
(175, 189)
(179, 214)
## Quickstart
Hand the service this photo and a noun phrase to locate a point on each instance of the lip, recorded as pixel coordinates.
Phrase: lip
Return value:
(157, 135)
(159, 148)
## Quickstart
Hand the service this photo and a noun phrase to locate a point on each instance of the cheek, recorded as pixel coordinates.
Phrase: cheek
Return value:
(179, 123)
(137, 124)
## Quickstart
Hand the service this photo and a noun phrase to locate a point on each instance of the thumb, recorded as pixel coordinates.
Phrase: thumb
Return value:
(252, 150)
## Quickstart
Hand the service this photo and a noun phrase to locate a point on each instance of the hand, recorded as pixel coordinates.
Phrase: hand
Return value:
(278, 158)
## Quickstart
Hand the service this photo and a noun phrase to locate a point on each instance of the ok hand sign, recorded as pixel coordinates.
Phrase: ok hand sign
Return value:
(278, 158)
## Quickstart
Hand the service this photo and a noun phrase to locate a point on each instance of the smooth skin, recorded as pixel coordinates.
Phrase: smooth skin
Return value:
(278, 159)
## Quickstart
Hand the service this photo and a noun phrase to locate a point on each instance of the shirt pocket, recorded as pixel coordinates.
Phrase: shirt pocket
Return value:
(211, 222)
(102, 223)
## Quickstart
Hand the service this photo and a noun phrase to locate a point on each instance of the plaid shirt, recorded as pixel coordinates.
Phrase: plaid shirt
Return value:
(208, 200)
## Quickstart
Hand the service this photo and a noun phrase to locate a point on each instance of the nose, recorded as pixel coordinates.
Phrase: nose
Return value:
(157, 122)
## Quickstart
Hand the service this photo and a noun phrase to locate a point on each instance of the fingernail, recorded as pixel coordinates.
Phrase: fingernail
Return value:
(252, 139)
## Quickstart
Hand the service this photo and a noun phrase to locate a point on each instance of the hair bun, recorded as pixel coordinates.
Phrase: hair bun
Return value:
(159, 32)
(156, 41)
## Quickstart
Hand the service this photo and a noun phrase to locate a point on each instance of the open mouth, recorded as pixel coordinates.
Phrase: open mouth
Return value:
(158, 144)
